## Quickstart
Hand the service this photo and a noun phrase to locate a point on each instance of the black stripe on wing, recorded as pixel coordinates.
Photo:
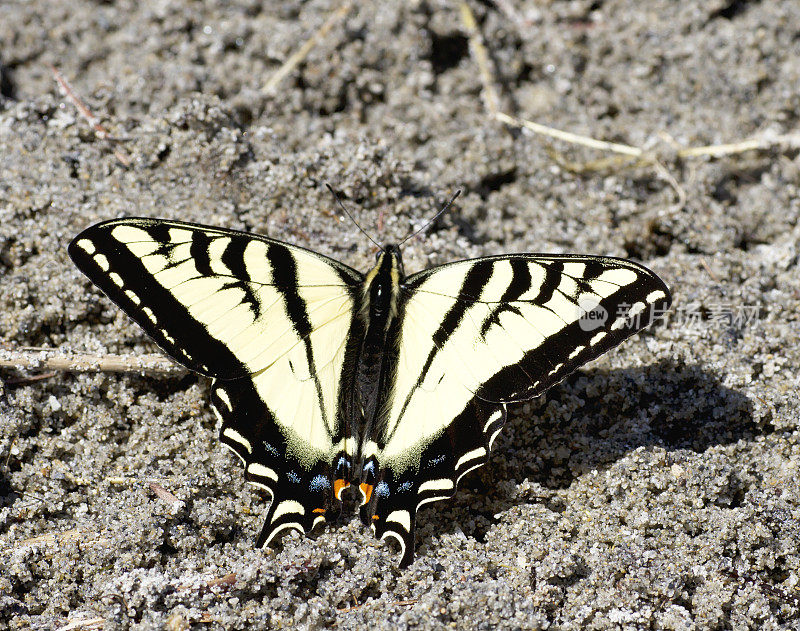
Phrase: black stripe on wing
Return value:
(519, 284)
(285, 276)
(233, 259)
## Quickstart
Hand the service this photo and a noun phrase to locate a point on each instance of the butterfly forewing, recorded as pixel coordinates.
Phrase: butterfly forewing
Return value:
(478, 334)
(268, 320)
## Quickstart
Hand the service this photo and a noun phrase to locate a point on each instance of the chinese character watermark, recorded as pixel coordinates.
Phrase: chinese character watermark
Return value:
(715, 316)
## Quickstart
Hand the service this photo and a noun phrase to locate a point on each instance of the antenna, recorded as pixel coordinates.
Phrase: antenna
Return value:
(347, 212)
(435, 217)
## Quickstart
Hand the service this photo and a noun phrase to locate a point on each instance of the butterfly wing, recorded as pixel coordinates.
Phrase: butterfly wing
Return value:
(269, 321)
(476, 335)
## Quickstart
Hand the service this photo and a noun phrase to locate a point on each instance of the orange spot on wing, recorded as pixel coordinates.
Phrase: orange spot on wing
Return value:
(366, 490)
(318, 510)
(339, 486)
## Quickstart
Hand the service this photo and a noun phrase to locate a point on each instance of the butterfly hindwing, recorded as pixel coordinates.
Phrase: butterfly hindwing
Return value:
(478, 334)
(300, 488)
(268, 320)
(432, 473)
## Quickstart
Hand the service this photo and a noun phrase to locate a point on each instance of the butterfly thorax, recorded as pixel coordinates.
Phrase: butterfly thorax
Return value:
(381, 298)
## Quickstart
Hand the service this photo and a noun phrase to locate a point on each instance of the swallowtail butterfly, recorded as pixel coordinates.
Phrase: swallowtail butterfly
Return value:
(324, 377)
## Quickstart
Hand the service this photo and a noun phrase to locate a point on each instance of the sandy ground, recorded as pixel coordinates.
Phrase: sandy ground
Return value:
(657, 488)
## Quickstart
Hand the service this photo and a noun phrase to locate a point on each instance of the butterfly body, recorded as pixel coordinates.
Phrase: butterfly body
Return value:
(327, 378)
(381, 296)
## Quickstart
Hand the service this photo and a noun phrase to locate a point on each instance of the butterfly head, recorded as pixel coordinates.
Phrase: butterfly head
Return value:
(392, 254)
(382, 284)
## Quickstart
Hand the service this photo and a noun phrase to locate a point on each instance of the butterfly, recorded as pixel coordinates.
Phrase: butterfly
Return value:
(326, 379)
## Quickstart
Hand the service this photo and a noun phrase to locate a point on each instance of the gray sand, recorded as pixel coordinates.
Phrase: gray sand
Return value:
(656, 488)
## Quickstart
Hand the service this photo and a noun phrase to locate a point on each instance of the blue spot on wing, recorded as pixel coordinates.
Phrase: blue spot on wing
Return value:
(319, 483)
(437, 460)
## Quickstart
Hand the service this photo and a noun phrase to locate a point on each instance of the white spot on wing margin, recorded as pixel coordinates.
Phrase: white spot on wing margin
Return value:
(396, 537)
(292, 525)
(86, 245)
(443, 484)
(402, 517)
(470, 455)
(260, 470)
(102, 262)
(655, 295)
(223, 396)
(288, 506)
(236, 437)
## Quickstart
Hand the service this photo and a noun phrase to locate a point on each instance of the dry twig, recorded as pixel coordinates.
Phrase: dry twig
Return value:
(121, 480)
(402, 603)
(84, 110)
(54, 359)
(163, 493)
(301, 53)
(227, 580)
(481, 57)
(50, 537)
(633, 156)
(84, 623)
(223, 581)
(575, 139)
(24, 381)
(708, 269)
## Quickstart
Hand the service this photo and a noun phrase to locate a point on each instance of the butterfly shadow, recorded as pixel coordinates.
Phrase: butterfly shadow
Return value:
(589, 422)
